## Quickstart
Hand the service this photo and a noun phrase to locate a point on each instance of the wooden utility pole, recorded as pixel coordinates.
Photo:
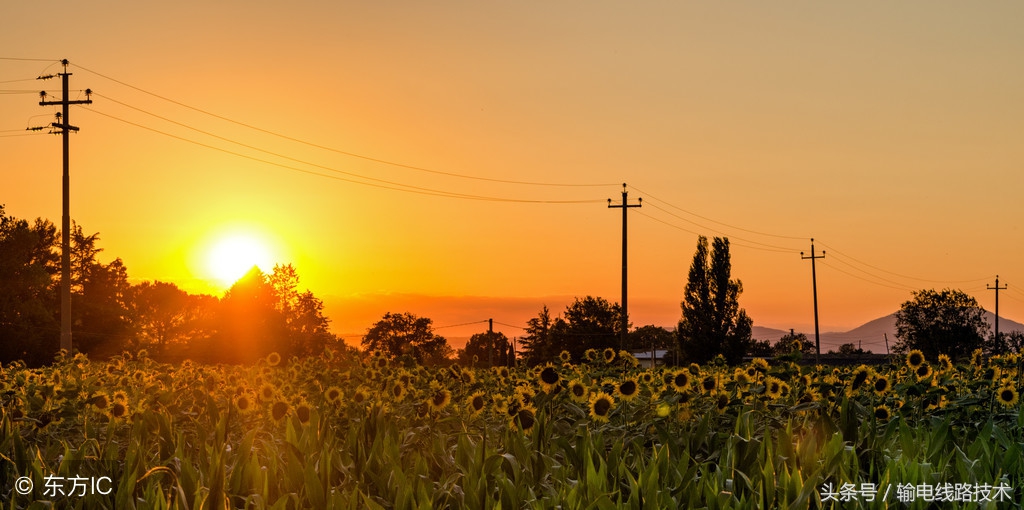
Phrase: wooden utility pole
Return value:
(64, 127)
(814, 285)
(625, 313)
(997, 288)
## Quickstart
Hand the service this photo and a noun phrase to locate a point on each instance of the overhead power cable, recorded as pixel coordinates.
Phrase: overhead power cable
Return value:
(388, 184)
(339, 151)
(835, 251)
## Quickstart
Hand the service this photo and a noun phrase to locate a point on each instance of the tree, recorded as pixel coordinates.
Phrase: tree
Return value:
(588, 323)
(307, 327)
(404, 334)
(249, 324)
(29, 328)
(537, 346)
(487, 349)
(713, 323)
(940, 322)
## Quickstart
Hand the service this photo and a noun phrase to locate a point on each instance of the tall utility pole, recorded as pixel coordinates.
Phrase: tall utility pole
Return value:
(814, 284)
(64, 127)
(625, 315)
(997, 288)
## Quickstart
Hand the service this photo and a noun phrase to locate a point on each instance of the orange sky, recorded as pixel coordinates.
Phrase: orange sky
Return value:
(890, 133)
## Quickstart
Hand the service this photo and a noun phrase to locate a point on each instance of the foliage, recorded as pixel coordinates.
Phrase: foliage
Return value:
(332, 431)
(486, 349)
(713, 323)
(940, 322)
(406, 335)
(259, 314)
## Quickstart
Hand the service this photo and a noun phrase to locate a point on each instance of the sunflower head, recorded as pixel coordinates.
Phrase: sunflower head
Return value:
(578, 391)
(439, 399)
(565, 356)
(681, 380)
(881, 384)
(243, 403)
(279, 409)
(773, 387)
(333, 395)
(476, 403)
(627, 389)
(915, 358)
(882, 413)
(524, 419)
(548, 378)
(709, 384)
(1007, 396)
(608, 355)
(274, 359)
(303, 412)
(601, 405)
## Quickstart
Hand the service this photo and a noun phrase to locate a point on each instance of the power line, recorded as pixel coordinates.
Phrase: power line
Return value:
(343, 152)
(770, 246)
(459, 325)
(715, 221)
(901, 275)
(31, 59)
(393, 185)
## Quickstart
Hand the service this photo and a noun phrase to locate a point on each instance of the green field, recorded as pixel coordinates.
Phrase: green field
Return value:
(339, 432)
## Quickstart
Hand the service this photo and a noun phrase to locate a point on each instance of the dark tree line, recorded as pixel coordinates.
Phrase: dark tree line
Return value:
(261, 313)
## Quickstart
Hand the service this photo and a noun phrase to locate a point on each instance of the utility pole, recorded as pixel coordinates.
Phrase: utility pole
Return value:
(814, 284)
(490, 342)
(997, 288)
(64, 127)
(625, 315)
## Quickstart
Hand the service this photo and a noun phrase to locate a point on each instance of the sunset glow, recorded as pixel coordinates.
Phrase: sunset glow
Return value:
(414, 156)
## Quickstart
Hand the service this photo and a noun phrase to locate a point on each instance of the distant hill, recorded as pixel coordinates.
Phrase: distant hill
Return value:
(870, 336)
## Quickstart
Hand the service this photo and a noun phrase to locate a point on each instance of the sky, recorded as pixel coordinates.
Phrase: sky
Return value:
(455, 159)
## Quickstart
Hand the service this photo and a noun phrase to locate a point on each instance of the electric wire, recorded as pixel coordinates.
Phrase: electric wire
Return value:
(31, 59)
(766, 246)
(460, 325)
(390, 185)
(651, 197)
(974, 280)
(339, 151)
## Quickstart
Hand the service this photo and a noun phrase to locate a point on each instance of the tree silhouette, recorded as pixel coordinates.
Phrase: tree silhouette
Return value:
(404, 334)
(713, 322)
(940, 322)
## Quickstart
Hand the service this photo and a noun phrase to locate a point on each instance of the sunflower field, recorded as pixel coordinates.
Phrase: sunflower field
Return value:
(341, 432)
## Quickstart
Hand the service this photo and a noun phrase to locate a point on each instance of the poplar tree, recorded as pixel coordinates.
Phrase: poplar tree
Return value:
(713, 322)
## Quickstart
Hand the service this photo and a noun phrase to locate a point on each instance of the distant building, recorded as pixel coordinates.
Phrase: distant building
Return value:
(646, 361)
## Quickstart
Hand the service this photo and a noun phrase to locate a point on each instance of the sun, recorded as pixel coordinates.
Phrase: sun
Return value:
(233, 255)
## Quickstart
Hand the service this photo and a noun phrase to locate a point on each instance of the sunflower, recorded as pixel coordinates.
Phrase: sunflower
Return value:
(721, 401)
(881, 384)
(741, 377)
(882, 413)
(476, 403)
(361, 395)
(608, 355)
(565, 356)
(524, 419)
(773, 387)
(242, 403)
(601, 405)
(627, 389)
(945, 364)
(279, 410)
(680, 380)
(709, 384)
(860, 377)
(923, 371)
(590, 355)
(548, 378)
(333, 395)
(440, 398)
(273, 359)
(976, 358)
(118, 410)
(397, 391)
(1007, 396)
(503, 372)
(303, 412)
(647, 377)
(267, 392)
(100, 402)
(760, 364)
(578, 391)
(915, 358)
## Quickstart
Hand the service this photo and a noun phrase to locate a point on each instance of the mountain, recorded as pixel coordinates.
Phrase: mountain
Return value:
(871, 336)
